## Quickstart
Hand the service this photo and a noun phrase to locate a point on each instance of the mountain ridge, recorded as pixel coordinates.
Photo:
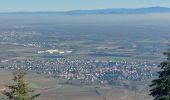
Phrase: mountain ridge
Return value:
(146, 10)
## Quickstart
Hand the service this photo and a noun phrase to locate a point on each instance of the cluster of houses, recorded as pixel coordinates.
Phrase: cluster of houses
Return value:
(85, 70)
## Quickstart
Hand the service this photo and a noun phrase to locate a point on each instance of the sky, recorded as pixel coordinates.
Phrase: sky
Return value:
(66, 5)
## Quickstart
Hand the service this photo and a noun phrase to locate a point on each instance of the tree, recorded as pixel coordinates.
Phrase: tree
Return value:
(20, 89)
(160, 88)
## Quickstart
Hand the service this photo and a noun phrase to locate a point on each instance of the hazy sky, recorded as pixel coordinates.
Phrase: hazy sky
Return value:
(62, 5)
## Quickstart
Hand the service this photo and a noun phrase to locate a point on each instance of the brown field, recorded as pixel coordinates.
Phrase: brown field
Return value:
(51, 89)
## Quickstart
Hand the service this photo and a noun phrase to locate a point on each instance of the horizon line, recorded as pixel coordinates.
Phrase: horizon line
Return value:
(60, 11)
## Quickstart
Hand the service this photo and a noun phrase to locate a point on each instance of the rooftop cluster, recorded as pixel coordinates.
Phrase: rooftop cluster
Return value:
(86, 70)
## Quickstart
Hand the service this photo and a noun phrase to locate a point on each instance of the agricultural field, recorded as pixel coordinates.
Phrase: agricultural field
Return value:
(53, 89)
(80, 58)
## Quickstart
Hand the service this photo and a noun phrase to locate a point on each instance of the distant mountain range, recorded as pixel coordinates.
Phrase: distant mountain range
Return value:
(147, 10)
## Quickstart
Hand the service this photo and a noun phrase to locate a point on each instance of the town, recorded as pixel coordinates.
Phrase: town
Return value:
(84, 70)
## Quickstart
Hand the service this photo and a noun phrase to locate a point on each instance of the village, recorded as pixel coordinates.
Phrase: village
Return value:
(84, 70)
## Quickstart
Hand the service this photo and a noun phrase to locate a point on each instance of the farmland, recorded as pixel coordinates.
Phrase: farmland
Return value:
(92, 56)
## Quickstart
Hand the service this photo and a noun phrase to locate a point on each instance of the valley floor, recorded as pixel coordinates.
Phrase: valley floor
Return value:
(51, 89)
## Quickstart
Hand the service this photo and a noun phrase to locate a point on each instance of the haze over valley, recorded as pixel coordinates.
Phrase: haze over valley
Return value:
(95, 54)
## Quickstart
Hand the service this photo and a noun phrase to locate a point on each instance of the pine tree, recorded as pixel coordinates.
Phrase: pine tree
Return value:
(160, 88)
(20, 89)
